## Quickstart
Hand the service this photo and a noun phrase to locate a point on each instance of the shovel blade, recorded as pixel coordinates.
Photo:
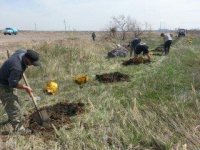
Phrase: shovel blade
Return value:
(42, 117)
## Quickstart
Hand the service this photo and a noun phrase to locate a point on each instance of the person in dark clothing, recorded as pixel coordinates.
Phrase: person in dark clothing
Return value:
(142, 48)
(133, 45)
(93, 36)
(167, 42)
(11, 73)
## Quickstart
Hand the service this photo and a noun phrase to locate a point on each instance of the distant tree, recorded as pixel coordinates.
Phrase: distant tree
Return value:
(121, 23)
(127, 24)
(134, 27)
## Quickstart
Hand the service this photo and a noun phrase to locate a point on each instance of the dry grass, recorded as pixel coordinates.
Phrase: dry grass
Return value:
(158, 109)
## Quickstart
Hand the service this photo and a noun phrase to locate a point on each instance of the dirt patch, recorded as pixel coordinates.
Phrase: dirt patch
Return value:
(136, 61)
(59, 115)
(158, 51)
(112, 77)
(159, 48)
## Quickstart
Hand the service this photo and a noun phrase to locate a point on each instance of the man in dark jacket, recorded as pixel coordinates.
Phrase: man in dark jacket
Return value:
(142, 48)
(133, 45)
(11, 73)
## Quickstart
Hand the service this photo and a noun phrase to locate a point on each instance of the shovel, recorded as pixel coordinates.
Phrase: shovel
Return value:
(42, 117)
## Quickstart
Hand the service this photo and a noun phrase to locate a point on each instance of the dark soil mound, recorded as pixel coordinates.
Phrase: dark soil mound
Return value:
(159, 48)
(59, 115)
(136, 61)
(112, 77)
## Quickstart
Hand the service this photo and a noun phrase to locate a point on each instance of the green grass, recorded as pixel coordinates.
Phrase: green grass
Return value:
(158, 109)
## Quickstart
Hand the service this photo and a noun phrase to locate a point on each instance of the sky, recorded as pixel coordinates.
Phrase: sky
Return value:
(95, 15)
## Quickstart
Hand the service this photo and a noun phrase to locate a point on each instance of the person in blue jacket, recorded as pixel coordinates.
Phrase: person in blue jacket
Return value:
(133, 45)
(11, 73)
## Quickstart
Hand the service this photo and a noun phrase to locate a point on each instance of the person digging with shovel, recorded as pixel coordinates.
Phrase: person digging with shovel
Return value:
(10, 74)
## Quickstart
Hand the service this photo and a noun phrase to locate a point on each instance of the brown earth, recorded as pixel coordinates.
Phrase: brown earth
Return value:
(59, 116)
(136, 61)
(27, 40)
(112, 77)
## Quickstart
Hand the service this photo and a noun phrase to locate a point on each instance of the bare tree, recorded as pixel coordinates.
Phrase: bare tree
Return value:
(135, 27)
(121, 23)
(127, 24)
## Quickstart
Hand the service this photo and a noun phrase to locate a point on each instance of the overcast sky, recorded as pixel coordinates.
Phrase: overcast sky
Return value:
(96, 14)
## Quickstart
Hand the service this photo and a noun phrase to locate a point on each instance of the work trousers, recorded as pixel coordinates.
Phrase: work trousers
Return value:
(167, 46)
(12, 106)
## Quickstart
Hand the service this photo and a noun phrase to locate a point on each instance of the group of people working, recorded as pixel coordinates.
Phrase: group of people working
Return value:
(138, 47)
(11, 72)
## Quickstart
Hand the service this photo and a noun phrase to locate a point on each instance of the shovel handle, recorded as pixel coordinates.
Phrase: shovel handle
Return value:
(31, 93)
(32, 97)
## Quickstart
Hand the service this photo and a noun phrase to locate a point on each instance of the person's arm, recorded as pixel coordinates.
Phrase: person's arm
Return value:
(14, 78)
(24, 87)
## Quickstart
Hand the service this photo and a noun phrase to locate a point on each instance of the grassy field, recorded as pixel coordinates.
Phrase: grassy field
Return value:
(157, 110)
